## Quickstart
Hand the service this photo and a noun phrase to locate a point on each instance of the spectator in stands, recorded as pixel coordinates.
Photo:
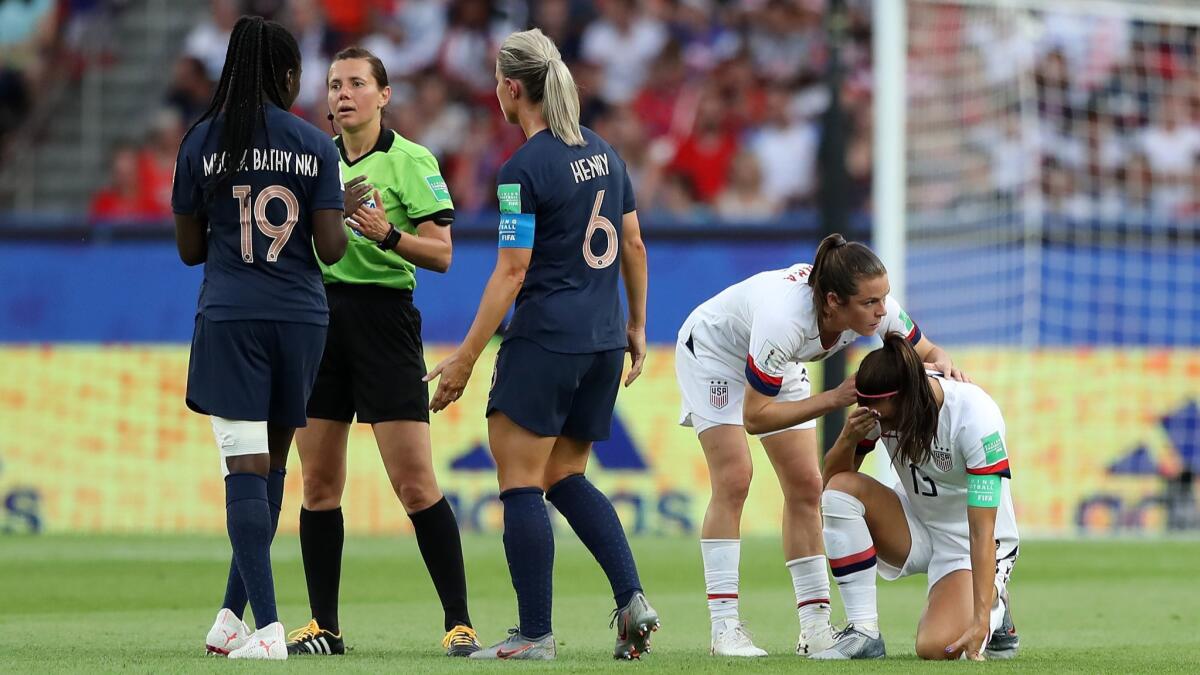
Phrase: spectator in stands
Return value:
(208, 41)
(786, 149)
(704, 156)
(468, 55)
(191, 90)
(708, 41)
(409, 38)
(563, 21)
(26, 30)
(744, 200)
(786, 38)
(305, 20)
(156, 159)
(124, 202)
(446, 120)
(623, 42)
(1171, 143)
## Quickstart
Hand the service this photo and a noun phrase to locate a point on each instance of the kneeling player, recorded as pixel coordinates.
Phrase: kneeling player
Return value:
(952, 519)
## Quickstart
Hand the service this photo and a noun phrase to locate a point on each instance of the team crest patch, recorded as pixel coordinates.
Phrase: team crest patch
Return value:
(942, 459)
(718, 393)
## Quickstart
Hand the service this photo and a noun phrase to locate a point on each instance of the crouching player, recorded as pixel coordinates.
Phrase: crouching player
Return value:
(952, 519)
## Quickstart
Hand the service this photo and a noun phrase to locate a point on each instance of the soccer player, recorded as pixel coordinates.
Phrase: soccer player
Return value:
(373, 361)
(740, 362)
(950, 518)
(256, 191)
(559, 368)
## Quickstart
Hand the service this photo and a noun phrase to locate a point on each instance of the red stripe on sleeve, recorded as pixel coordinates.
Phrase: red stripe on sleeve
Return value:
(998, 467)
(766, 379)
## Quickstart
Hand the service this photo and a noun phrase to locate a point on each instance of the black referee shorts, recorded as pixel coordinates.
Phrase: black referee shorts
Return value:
(374, 361)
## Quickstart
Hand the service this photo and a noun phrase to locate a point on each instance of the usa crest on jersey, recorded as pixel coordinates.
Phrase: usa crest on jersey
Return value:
(718, 393)
(942, 459)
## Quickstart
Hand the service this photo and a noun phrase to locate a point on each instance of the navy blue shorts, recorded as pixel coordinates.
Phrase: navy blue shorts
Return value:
(254, 370)
(553, 394)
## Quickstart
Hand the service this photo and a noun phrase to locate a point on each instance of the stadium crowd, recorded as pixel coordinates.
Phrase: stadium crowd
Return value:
(714, 104)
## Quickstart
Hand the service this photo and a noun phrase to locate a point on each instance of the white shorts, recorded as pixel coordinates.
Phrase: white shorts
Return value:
(937, 553)
(711, 392)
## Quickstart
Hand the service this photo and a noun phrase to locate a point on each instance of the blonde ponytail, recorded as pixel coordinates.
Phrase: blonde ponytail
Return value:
(531, 58)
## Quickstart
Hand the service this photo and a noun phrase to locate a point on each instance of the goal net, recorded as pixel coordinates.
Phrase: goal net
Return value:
(1053, 171)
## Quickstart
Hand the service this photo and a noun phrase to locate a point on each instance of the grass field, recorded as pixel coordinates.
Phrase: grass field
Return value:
(103, 604)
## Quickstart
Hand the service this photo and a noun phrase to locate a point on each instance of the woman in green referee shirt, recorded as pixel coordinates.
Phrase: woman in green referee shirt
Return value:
(399, 213)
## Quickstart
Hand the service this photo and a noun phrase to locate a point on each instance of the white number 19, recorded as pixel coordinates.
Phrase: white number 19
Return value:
(279, 234)
(599, 222)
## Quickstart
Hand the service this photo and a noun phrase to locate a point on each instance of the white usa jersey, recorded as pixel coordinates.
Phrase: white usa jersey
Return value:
(969, 440)
(761, 325)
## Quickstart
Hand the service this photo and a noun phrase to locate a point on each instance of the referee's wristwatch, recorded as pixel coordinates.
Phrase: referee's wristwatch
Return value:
(389, 242)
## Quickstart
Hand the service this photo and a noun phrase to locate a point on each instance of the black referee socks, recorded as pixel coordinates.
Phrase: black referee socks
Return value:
(322, 534)
(441, 547)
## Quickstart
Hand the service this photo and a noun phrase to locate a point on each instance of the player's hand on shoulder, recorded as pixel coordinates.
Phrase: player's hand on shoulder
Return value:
(859, 424)
(946, 367)
(637, 352)
(452, 375)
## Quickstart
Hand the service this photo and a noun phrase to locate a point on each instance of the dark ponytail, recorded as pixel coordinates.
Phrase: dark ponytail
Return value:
(259, 56)
(896, 369)
(838, 267)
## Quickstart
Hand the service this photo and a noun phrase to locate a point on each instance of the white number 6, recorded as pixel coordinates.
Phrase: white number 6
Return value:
(599, 222)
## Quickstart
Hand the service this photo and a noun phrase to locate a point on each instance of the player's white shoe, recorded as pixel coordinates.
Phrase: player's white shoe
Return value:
(730, 638)
(267, 643)
(227, 634)
(817, 641)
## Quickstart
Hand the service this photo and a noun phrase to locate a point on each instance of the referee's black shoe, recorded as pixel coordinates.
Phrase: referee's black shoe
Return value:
(312, 639)
(461, 641)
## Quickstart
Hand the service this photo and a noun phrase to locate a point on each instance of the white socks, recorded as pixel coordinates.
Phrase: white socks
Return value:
(811, 583)
(721, 558)
(851, 556)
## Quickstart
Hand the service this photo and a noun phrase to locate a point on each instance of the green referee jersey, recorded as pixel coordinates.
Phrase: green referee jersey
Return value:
(413, 191)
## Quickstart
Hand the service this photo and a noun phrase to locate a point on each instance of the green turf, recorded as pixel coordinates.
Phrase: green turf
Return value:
(92, 604)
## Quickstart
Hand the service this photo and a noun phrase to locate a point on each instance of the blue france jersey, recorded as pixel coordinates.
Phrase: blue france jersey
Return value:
(566, 203)
(261, 263)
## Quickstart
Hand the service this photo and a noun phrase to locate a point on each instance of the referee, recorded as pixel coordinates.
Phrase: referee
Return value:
(399, 213)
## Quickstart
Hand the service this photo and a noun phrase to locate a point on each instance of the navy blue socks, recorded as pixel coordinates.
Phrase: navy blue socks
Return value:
(596, 524)
(235, 588)
(529, 547)
(248, 520)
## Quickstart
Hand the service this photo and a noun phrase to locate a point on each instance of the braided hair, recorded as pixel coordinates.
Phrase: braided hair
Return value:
(257, 62)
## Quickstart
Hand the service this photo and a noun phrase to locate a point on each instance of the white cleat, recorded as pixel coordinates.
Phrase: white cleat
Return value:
(227, 634)
(267, 643)
(730, 638)
(818, 641)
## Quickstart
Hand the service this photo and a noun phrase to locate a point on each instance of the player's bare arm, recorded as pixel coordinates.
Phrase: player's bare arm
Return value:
(634, 273)
(329, 237)
(763, 414)
(191, 238)
(499, 294)
(981, 522)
